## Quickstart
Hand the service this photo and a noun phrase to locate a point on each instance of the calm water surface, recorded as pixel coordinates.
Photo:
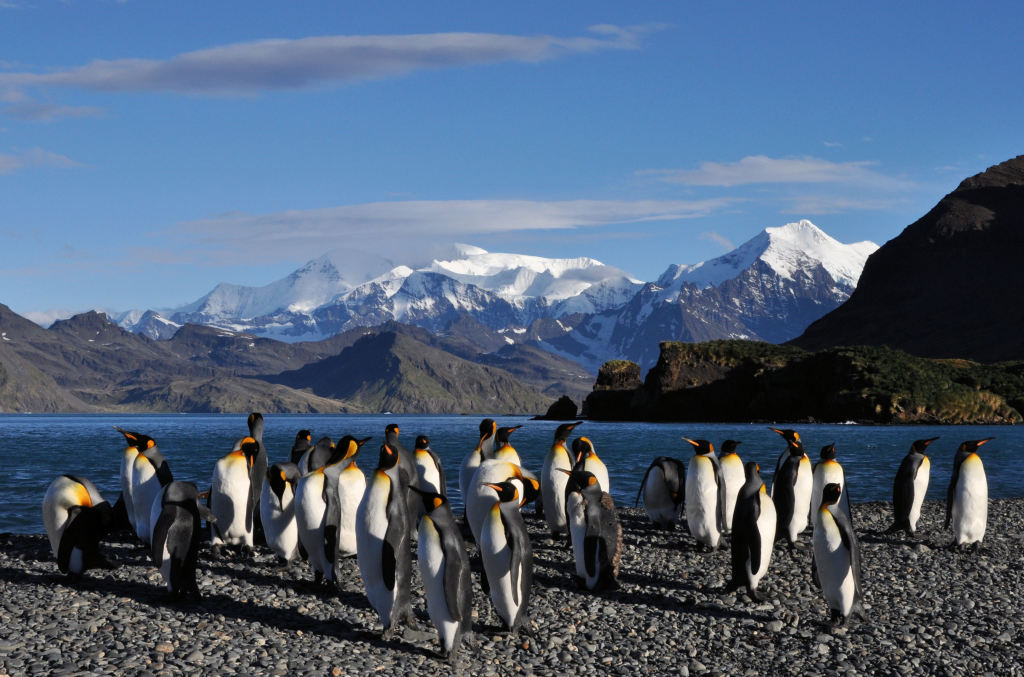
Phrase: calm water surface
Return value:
(34, 449)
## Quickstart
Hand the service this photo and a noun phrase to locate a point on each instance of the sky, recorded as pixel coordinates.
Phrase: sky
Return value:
(152, 149)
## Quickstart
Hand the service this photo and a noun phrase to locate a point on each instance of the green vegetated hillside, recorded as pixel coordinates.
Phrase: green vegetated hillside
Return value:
(744, 380)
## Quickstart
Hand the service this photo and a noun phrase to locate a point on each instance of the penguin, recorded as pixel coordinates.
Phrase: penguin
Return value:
(150, 474)
(429, 468)
(316, 456)
(444, 570)
(967, 496)
(503, 449)
(481, 499)
(382, 528)
(484, 450)
(133, 442)
(586, 459)
(705, 495)
(76, 517)
(349, 484)
(303, 443)
(175, 545)
(277, 510)
(733, 475)
(552, 481)
(791, 488)
(232, 498)
(910, 487)
(837, 558)
(663, 490)
(407, 466)
(507, 556)
(753, 533)
(595, 532)
(827, 471)
(259, 461)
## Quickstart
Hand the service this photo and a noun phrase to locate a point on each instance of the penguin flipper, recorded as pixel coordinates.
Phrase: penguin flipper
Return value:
(387, 565)
(71, 538)
(161, 533)
(643, 482)
(591, 554)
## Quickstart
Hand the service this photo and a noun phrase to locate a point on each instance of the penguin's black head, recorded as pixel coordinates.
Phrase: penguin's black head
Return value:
(920, 445)
(563, 431)
(281, 474)
(751, 470)
(388, 457)
(701, 446)
(830, 494)
(503, 434)
(506, 491)
(303, 436)
(583, 448)
(347, 447)
(422, 442)
(729, 447)
(255, 418)
(791, 436)
(531, 489)
(828, 452)
(249, 448)
(391, 429)
(431, 500)
(137, 440)
(584, 479)
(971, 446)
(488, 427)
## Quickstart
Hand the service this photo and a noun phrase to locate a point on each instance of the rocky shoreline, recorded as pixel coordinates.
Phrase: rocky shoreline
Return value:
(932, 611)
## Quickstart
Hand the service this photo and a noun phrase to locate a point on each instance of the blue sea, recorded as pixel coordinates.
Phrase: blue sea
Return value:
(36, 448)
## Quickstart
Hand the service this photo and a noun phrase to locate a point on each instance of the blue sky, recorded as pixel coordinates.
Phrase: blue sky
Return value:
(151, 149)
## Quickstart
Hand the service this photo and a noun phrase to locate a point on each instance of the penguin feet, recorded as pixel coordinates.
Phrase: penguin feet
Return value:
(581, 583)
(755, 595)
(216, 551)
(836, 618)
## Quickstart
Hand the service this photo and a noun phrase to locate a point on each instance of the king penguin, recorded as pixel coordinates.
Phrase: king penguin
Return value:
(349, 484)
(316, 456)
(705, 495)
(303, 443)
(595, 531)
(791, 488)
(133, 443)
(481, 498)
(663, 490)
(444, 569)
(484, 450)
(837, 558)
(734, 477)
(259, 461)
(828, 471)
(382, 529)
(552, 480)
(175, 546)
(76, 517)
(429, 468)
(277, 510)
(753, 533)
(507, 556)
(586, 459)
(150, 474)
(910, 487)
(407, 466)
(233, 496)
(503, 449)
(967, 496)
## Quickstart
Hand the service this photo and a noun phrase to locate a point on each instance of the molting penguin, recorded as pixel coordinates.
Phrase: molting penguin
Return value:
(705, 495)
(791, 488)
(595, 531)
(663, 488)
(734, 477)
(552, 481)
(910, 487)
(753, 534)
(429, 468)
(444, 569)
(303, 443)
(277, 510)
(176, 538)
(507, 556)
(233, 496)
(382, 529)
(150, 474)
(76, 517)
(586, 459)
(484, 450)
(828, 471)
(967, 495)
(837, 558)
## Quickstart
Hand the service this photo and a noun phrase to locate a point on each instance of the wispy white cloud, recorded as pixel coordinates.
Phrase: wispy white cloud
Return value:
(816, 205)
(718, 239)
(36, 157)
(42, 111)
(832, 144)
(410, 224)
(760, 169)
(249, 67)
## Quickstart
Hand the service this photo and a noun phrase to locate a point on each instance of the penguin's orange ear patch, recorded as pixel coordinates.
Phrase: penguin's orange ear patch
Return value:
(438, 501)
(150, 444)
(796, 436)
(283, 478)
(592, 480)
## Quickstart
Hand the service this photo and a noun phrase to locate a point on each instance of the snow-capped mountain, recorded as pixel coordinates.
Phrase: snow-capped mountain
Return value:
(769, 288)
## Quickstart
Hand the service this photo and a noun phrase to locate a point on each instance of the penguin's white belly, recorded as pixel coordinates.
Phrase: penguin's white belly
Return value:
(552, 486)
(576, 508)
(801, 498)
(970, 502)
(597, 468)
(497, 557)
(229, 498)
(832, 560)
(430, 478)
(466, 472)
(828, 472)
(351, 487)
(658, 502)
(279, 523)
(732, 475)
(62, 494)
(702, 501)
(310, 513)
(920, 489)
(430, 555)
(766, 530)
(480, 498)
(145, 488)
(371, 528)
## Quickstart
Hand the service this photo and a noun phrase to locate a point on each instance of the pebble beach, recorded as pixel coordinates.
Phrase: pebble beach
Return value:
(931, 611)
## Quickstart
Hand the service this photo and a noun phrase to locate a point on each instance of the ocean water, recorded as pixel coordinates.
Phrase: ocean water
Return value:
(35, 448)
